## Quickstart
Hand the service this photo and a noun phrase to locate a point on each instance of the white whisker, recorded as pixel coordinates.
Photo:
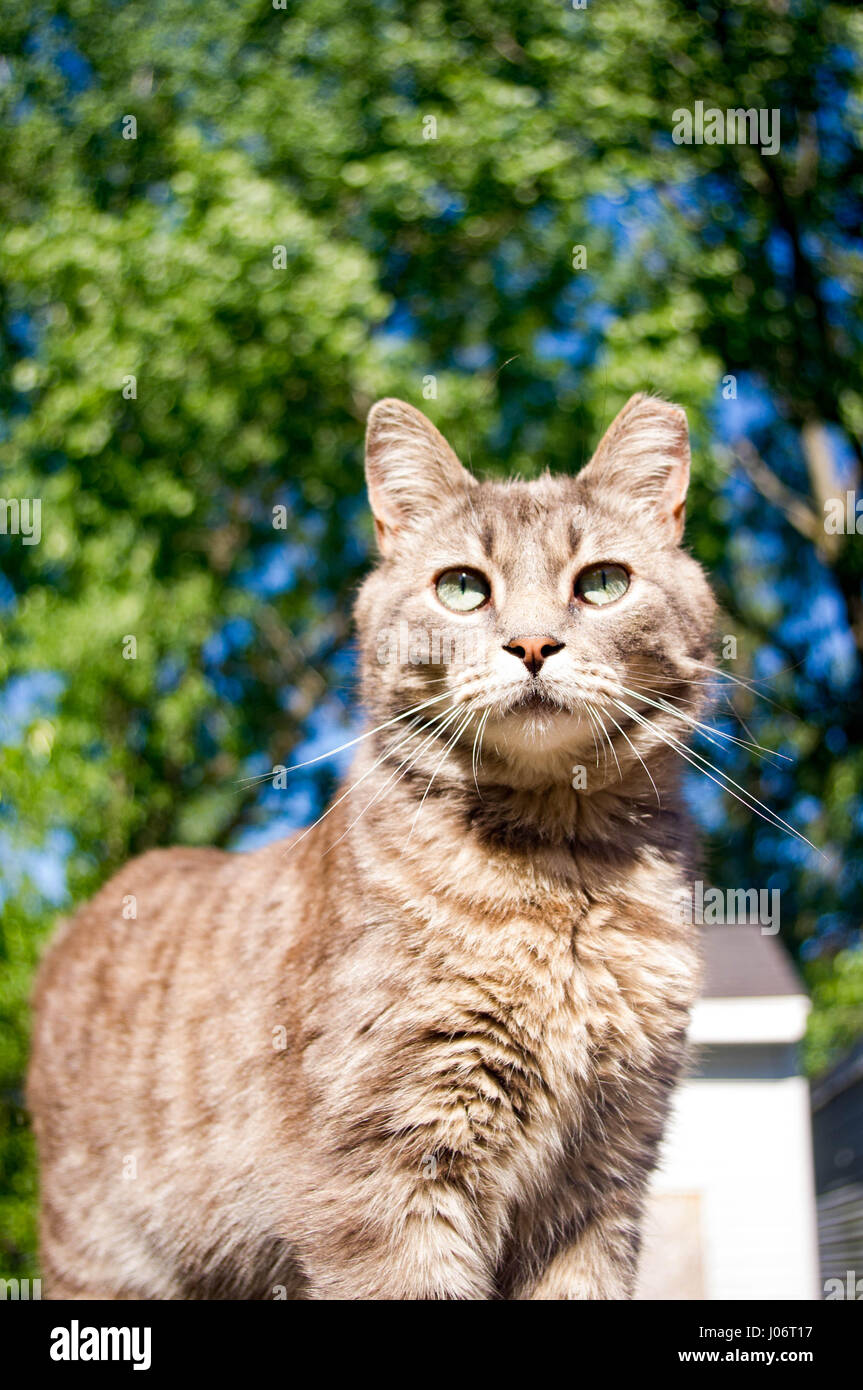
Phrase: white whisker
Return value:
(610, 744)
(747, 799)
(473, 757)
(376, 764)
(451, 743)
(709, 733)
(637, 754)
(745, 685)
(438, 724)
(331, 752)
(589, 712)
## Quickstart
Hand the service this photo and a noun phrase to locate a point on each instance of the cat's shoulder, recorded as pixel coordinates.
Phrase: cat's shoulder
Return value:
(146, 887)
(151, 876)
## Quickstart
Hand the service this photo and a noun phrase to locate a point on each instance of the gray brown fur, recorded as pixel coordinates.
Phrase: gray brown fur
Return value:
(484, 994)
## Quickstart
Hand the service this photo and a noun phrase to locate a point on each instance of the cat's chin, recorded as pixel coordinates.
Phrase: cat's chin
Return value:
(539, 729)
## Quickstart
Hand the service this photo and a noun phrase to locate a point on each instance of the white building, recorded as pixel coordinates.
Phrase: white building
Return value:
(732, 1210)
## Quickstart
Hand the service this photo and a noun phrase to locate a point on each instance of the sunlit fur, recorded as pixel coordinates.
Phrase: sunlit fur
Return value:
(476, 956)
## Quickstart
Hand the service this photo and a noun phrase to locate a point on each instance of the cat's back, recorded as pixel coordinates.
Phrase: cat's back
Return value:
(117, 932)
(167, 952)
(105, 960)
(152, 1060)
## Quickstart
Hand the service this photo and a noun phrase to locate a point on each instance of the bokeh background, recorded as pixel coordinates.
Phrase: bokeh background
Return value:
(428, 169)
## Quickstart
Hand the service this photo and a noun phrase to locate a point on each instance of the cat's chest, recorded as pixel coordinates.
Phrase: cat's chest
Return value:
(547, 1007)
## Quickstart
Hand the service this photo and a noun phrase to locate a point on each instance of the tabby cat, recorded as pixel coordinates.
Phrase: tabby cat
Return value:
(424, 1049)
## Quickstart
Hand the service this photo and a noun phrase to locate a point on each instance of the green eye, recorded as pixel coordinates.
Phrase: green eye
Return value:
(602, 584)
(462, 590)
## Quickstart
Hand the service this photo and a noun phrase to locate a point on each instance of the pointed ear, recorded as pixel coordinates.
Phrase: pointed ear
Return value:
(644, 454)
(410, 468)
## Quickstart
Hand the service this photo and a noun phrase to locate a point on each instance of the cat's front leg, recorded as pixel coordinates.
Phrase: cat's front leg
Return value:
(599, 1264)
(421, 1244)
(423, 1260)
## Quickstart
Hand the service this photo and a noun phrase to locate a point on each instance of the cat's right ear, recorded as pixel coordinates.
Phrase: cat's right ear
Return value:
(410, 468)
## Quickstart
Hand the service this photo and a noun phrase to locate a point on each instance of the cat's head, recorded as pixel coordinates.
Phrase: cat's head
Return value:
(560, 615)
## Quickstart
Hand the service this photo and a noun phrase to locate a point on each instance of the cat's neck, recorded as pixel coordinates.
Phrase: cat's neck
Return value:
(454, 817)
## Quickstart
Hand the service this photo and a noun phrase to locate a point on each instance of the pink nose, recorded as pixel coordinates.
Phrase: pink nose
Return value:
(533, 650)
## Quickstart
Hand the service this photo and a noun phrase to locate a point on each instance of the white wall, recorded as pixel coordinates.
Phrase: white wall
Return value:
(743, 1147)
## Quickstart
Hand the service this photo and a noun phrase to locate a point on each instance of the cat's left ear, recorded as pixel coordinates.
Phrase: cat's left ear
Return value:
(410, 468)
(644, 454)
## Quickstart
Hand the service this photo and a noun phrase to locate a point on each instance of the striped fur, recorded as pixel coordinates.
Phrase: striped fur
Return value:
(426, 1049)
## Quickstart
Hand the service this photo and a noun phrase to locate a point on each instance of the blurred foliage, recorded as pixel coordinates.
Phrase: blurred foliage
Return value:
(405, 258)
(837, 1008)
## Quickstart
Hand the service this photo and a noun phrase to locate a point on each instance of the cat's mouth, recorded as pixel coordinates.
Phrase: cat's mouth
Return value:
(536, 726)
(535, 697)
